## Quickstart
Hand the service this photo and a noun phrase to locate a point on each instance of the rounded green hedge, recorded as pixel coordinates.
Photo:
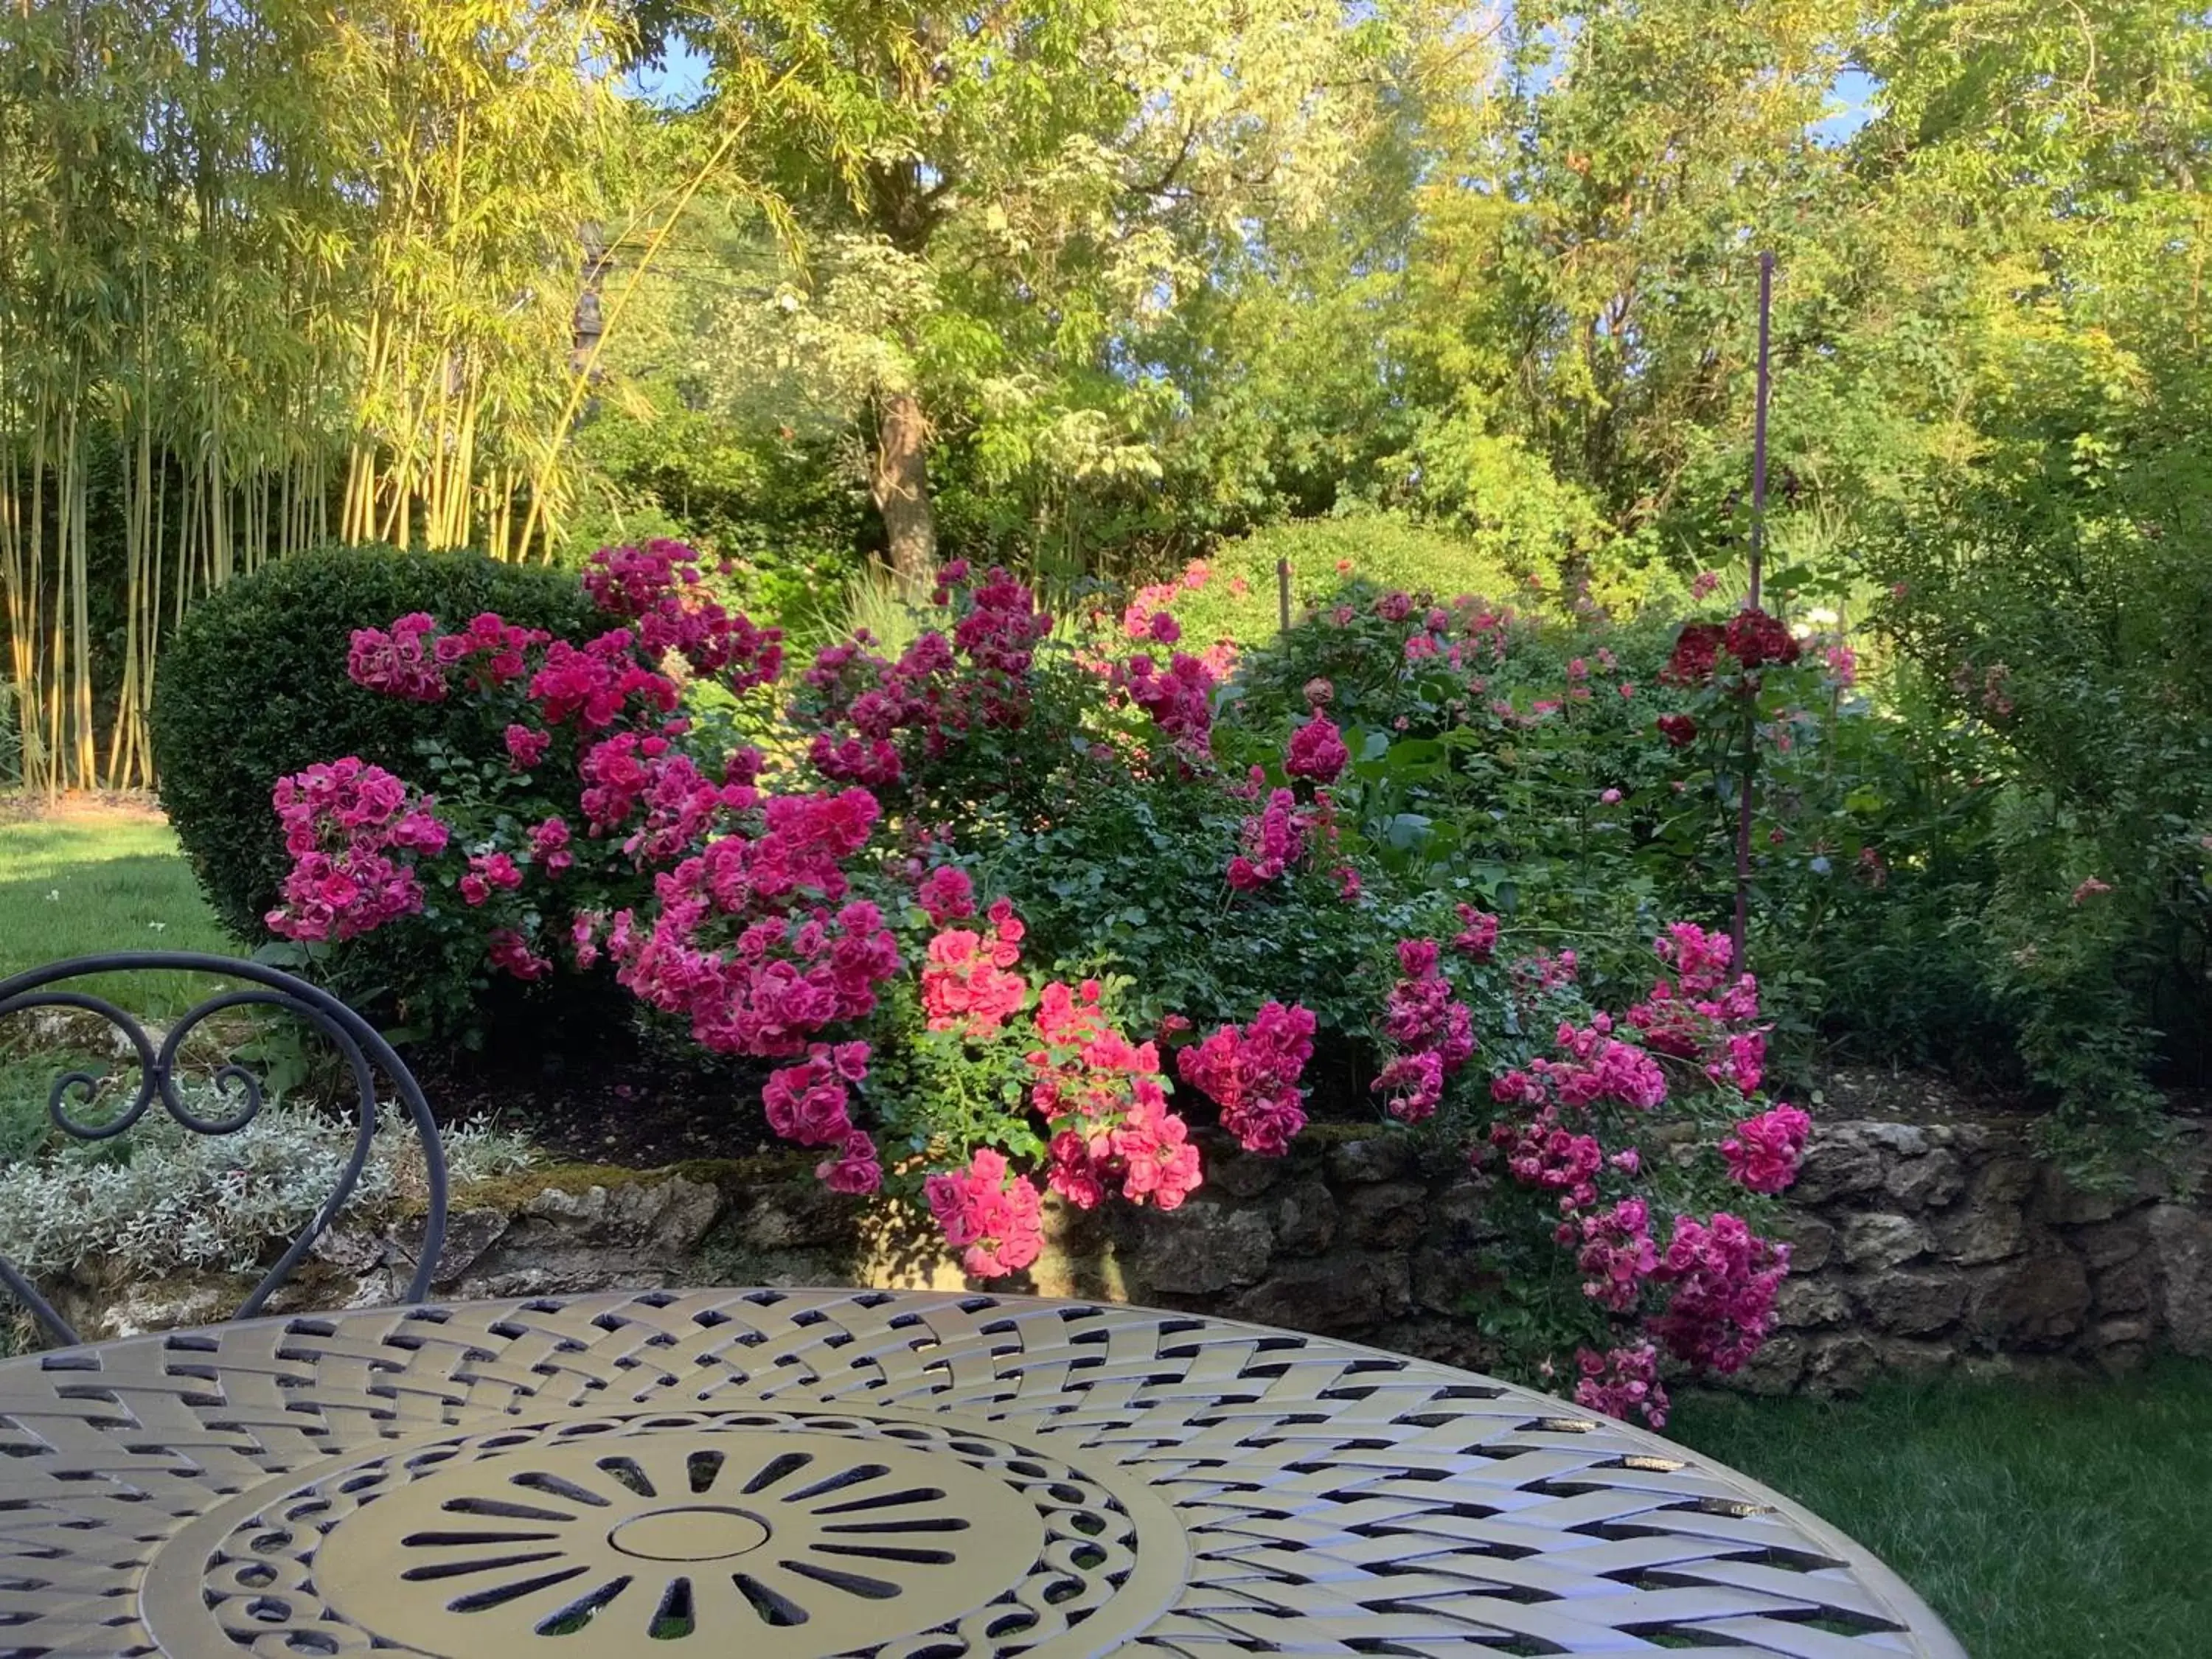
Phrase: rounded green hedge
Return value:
(1381, 547)
(254, 686)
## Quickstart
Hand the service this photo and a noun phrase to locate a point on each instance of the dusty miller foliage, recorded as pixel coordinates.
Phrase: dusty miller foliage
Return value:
(166, 1199)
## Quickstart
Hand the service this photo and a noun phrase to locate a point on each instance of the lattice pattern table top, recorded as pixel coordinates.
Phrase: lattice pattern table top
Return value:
(785, 1473)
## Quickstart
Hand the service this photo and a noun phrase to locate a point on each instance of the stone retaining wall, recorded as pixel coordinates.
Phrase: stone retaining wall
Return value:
(1917, 1247)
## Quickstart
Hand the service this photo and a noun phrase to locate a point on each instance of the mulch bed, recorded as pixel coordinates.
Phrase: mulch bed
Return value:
(610, 1100)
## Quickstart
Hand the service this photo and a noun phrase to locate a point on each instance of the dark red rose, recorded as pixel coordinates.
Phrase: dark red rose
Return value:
(1679, 730)
(1694, 651)
(1752, 637)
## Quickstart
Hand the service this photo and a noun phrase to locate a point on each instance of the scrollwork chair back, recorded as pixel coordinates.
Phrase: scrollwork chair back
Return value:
(364, 1050)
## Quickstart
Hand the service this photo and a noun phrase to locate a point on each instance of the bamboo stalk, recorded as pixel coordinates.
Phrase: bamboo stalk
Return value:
(541, 484)
(256, 346)
(49, 736)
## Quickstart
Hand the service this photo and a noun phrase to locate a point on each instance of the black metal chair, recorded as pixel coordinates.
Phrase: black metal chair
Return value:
(365, 1052)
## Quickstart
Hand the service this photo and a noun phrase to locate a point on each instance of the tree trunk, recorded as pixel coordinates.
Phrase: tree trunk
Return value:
(900, 484)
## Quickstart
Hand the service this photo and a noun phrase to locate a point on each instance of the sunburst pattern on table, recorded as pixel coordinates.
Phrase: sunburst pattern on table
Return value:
(793, 1535)
(686, 1532)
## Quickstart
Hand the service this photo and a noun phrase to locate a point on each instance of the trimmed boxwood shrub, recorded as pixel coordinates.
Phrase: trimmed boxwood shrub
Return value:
(254, 686)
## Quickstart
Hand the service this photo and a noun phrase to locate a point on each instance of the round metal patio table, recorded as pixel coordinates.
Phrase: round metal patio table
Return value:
(778, 1473)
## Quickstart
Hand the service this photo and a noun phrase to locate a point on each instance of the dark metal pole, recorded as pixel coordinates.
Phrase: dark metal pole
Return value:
(1283, 592)
(1749, 774)
(1759, 425)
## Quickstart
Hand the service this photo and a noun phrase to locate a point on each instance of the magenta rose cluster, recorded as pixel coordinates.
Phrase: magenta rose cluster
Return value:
(766, 919)
(1430, 1034)
(354, 833)
(753, 939)
(872, 720)
(1251, 1073)
(1703, 1289)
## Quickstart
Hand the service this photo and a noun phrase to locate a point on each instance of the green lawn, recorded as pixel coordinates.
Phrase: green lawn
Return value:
(79, 882)
(2042, 1521)
(90, 879)
(98, 880)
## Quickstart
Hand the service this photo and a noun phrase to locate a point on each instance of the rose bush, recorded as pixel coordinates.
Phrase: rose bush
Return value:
(916, 888)
(1581, 774)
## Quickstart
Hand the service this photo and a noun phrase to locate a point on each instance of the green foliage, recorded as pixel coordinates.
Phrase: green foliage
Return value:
(11, 740)
(1873, 836)
(991, 216)
(1126, 883)
(2052, 590)
(254, 687)
(1869, 908)
(1578, 310)
(785, 507)
(26, 1086)
(2076, 649)
(876, 603)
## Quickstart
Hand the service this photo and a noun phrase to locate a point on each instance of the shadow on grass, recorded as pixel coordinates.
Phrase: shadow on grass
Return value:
(2039, 1520)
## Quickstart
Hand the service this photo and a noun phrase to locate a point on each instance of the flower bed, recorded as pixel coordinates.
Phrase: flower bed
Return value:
(918, 887)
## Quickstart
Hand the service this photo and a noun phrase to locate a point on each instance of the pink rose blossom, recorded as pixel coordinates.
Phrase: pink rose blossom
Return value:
(510, 953)
(1617, 1255)
(946, 894)
(965, 984)
(855, 1170)
(1764, 1152)
(989, 1214)
(1430, 1034)
(525, 747)
(1317, 751)
(1252, 1074)
(548, 846)
(1724, 1278)
(1478, 934)
(1622, 1382)
(354, 834)
(807, 1103)
(396, 662)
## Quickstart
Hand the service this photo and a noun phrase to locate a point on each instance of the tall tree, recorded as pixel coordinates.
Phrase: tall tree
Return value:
(989, 198)
(1577, 305)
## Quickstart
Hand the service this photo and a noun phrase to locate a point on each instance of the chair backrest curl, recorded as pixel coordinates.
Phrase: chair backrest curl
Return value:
(364, 1050)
